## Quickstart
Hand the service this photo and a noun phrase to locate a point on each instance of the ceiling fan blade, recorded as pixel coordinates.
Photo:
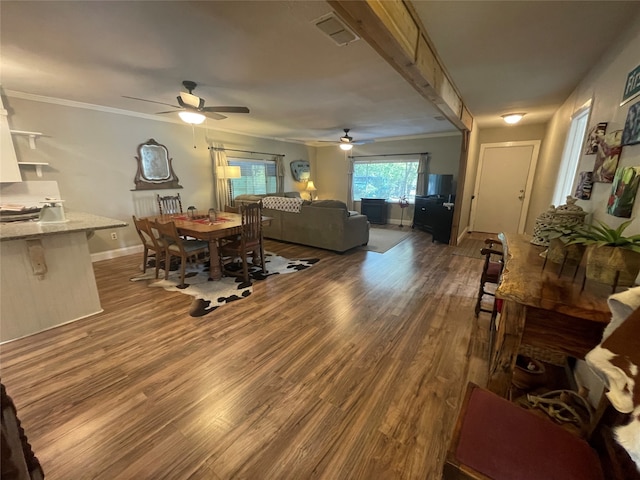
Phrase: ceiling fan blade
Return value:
(362, 142)
(150, 101)
(213, 115)
(168, 111)
(226, 109)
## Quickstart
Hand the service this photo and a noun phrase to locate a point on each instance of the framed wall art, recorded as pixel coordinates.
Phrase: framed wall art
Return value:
(623, 192)
(607, 157)
(631, 133)
(596, 134)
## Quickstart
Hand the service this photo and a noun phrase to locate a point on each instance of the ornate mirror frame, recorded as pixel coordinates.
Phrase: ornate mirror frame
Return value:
(155, 168)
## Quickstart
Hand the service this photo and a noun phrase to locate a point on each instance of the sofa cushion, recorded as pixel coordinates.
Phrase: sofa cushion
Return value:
(330, 204)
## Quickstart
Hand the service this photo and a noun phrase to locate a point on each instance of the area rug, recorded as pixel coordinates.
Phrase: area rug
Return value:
(469, 247)
(209, 295)
(383, 239)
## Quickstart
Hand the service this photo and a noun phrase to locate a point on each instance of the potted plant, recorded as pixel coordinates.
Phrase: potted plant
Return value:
(612, 258)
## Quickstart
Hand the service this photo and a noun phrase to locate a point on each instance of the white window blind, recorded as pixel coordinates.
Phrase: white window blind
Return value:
(257, 177)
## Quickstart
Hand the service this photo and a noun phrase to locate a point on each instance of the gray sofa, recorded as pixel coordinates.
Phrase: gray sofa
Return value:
(324, 224)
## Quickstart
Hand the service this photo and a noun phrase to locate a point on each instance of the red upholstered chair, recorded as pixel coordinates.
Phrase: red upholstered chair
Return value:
(495, 439)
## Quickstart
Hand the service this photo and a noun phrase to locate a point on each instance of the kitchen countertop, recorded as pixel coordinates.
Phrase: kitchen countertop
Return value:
(75, 222)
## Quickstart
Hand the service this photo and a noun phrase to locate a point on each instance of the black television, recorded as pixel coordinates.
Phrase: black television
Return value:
(439, 184)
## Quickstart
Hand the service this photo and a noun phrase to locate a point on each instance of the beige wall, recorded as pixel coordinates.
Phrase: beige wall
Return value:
(604, 86)
(92, 157)
(329, 171)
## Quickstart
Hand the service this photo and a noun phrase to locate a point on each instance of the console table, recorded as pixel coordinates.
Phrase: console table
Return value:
(542, 310)
(375, 209)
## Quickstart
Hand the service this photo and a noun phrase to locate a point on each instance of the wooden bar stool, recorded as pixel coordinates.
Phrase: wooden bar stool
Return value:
(495, 439)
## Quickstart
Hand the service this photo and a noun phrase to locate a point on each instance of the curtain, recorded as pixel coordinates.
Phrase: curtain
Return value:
(279, 159)
(221, 193)
(350, 183)
(423, 173)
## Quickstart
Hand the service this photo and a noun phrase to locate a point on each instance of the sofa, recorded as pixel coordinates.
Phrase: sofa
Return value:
(326, 224)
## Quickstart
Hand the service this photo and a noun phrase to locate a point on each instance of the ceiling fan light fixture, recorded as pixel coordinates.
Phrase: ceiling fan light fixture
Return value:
(192, 118)
(346, 146)
(512, 118)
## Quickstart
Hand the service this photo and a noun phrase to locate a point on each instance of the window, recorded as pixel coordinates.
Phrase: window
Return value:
(571, 156)
(390, 179)
(257, 177)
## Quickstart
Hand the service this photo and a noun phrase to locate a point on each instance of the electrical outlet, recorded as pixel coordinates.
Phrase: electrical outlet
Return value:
(114, 236)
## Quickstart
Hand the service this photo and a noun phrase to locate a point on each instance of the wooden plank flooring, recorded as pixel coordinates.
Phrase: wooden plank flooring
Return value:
(352, 369)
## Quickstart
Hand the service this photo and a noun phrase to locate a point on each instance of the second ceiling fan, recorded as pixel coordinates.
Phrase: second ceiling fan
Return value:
(346, 142)
(191, 108)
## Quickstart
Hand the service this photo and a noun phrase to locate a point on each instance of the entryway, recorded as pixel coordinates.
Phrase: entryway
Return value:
(503, 185)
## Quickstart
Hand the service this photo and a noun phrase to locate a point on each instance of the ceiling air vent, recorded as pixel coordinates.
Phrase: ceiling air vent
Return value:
(336, 29)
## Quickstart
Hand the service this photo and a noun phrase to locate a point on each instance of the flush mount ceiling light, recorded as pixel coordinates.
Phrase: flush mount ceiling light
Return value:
(512, 118)
(193, 118)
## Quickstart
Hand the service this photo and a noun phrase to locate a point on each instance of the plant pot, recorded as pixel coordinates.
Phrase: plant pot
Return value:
(603, 263)
(557, 251)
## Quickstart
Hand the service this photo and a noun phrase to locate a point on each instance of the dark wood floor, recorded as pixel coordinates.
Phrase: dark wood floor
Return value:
(353, 369)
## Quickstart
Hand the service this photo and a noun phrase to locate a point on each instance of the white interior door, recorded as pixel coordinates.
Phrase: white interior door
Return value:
(503, 184)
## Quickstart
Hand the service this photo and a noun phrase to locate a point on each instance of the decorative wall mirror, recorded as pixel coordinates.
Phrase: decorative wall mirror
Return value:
(154, 167)
(300, 170)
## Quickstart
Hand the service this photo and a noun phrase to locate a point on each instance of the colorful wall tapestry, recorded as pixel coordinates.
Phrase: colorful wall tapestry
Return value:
(607, 157)
(623, 192)
(583, 189)
(631, 134)
(595, 136)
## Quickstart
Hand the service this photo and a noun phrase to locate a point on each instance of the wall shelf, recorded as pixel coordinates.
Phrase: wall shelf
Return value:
(38, 166)
(32, 136)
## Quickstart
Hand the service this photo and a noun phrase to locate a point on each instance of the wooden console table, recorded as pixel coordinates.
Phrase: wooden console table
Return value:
(542, 310)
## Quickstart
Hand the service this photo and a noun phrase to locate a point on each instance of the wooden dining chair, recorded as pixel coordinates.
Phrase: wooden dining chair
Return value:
(250, 241)
(176, 246)
(169, 204)
(150, 243)
(491, 271)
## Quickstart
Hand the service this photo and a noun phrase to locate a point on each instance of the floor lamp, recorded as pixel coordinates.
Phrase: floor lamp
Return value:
(227, 172)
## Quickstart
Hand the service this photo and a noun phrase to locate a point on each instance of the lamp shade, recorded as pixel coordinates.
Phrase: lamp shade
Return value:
(193, 118)
(310, 186)
(228, 171)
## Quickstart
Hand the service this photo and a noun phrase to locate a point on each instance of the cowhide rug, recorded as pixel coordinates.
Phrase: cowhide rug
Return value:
(209, 295)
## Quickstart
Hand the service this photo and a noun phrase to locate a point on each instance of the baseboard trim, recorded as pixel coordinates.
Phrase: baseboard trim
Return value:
(461, 236)
(119, 252)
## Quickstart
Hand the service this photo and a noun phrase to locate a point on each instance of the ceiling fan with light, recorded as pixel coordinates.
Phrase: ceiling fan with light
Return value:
(191, 108)
(346, 142)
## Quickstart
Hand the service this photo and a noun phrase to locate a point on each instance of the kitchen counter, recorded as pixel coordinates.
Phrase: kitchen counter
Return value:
(47, 278)
(76, 222)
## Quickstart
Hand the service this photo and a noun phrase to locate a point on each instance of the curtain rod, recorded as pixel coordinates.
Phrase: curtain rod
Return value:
(388, 155)
(244, 151)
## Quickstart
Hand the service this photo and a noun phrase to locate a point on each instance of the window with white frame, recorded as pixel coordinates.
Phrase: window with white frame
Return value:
(256, 177)
(389, 179)
(571, 155)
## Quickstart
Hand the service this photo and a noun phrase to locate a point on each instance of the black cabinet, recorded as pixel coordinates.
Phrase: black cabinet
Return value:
(375, 209)
(432, 216)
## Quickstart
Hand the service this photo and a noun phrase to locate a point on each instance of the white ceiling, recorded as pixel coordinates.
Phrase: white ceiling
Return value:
(299, 85)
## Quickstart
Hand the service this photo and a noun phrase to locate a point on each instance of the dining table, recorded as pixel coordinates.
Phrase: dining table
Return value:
(202, 227)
